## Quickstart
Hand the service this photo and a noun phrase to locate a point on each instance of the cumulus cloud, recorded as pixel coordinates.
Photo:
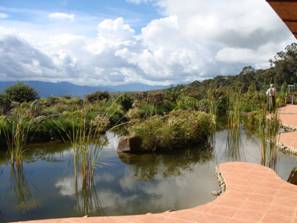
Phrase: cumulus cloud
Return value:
(190, 41)
(61, 16)
(19, 61)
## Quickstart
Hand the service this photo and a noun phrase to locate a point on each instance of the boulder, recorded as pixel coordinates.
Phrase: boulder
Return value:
(129, 144)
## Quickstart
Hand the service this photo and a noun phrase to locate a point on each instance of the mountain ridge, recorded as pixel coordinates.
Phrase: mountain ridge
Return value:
(46, 89)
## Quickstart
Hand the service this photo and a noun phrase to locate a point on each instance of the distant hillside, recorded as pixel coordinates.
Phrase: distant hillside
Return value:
(283, 72)
(46, 89)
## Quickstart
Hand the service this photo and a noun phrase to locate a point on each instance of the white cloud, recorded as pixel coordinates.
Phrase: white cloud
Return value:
(190, 41)
(3, 15)
(61, 16)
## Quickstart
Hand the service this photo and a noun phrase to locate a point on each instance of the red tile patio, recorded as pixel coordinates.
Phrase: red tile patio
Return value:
(253, 194)
(288, 118)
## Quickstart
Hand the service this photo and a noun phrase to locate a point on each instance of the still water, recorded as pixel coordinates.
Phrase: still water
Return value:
(49, 185)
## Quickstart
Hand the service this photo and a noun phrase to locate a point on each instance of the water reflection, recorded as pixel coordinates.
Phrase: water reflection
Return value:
(101, 182)
(21, 188)
(233, 143)
(85, 161)
(147, 166)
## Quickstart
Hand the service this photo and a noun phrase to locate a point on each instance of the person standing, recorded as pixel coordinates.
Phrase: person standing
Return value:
(271, 93)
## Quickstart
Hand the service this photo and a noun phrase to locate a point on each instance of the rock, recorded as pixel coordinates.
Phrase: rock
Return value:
(293, 177)
(129, 144)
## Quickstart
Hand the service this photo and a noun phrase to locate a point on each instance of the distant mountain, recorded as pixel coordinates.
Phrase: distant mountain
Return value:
(46, 89)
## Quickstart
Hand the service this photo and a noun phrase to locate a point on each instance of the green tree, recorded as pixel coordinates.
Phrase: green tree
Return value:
(21, 93)
(286, 65)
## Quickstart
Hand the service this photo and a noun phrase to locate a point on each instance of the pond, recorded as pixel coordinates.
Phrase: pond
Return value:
(49, 185)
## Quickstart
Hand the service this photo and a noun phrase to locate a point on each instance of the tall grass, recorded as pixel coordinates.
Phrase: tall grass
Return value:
(84, 171)
(268, 132)
(86, 140)
(234, 126)
(15, 129)
(212, 103)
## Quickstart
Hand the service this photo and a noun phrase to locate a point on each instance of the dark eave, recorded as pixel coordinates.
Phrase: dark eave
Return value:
(287, 11)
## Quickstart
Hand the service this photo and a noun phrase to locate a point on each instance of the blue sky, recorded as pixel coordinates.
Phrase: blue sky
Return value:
(156, 42)
(35, 10)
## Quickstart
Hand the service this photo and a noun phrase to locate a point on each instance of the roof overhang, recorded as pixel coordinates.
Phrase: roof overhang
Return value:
(287, 11)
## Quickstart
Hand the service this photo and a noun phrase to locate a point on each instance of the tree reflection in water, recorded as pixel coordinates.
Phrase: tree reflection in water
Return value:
(147, 166)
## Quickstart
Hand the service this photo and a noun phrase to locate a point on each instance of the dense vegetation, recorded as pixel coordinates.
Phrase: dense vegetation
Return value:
(174, 116)
(177, 130)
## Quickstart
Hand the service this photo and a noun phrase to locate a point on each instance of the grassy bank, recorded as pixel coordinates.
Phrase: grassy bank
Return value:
(168, 119)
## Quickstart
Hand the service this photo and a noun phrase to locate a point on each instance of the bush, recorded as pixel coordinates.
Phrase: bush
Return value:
(115, 114)
(4, 104)
(125, 101)
(21, 93)
(221, 97)
(203, 105)
(178, 130)
(186, 102)
(100, 123)
(97, 96)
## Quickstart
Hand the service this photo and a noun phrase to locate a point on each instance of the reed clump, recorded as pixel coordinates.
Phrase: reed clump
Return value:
(16, 129)
(268, 132)
(234, 126)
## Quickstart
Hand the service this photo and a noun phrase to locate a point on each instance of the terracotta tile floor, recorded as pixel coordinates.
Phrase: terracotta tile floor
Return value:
(254, 194)
(288, 117)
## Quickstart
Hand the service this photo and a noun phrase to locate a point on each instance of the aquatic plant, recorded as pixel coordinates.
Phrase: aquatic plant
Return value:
(212, 103)
(273, 128)
(85, 163)
(234, 126)
(84, 134)
(16, 128)
(268, 132)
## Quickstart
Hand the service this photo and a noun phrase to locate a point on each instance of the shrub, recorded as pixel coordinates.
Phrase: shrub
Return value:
(97, 96)
(4, 103)
(147, 110)
(115, 114)
(156, 98)
(125, 101)
(203, 105)
(187, 102)
(133, 113)
(221, 98)
(178, 130)
(100, 122)
(21, 93)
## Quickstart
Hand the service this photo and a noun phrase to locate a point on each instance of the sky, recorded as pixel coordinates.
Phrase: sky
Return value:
(155, 42)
